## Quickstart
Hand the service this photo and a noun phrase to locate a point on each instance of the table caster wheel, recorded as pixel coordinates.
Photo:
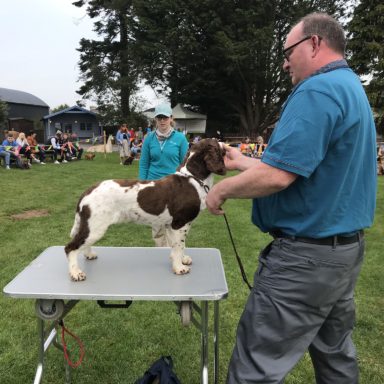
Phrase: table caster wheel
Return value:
(48, 309)
(185, 313)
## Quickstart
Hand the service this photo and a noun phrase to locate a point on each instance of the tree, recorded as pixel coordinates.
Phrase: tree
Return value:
(107, 65)
(59, 108)
(3, 114)
(366, 48)
(223, 56)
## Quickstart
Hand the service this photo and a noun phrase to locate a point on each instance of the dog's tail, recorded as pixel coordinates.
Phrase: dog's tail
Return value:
(76, 225)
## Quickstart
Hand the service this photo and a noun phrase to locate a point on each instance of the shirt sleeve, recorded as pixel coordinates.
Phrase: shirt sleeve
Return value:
(144, 159)
(301, 138)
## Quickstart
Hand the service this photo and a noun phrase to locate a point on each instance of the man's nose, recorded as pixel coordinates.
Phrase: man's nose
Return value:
(286, 65)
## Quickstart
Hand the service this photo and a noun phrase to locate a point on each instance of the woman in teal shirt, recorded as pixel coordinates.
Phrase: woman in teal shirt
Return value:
(163, 149)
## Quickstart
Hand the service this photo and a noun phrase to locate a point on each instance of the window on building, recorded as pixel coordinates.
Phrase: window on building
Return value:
(82, 126)
(68, 128)
(89, 126)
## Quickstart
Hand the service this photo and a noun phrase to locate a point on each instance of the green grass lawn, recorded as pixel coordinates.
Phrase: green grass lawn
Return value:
(121, 344)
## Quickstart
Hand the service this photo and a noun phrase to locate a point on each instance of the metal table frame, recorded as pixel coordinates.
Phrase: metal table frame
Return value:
(122, 273)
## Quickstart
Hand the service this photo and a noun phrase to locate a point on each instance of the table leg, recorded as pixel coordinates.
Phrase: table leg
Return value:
(216, 342)
(204, 342)
(40, 365)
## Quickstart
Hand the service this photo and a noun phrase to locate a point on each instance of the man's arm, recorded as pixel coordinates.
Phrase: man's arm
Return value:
(258, 179)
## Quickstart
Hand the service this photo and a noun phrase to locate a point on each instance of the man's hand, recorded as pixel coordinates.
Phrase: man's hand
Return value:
(214, 201)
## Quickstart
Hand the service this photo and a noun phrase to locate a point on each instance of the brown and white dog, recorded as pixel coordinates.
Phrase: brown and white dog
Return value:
(89, 156)
(169, 205)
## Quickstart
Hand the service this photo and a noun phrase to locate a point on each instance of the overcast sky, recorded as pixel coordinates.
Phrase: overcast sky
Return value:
(38, 40)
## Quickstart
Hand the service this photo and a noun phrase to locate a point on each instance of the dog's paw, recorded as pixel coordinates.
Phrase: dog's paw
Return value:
(78, 275)
(187, 260)
(181, 270)
(91, 256)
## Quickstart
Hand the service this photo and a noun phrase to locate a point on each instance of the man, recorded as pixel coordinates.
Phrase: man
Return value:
(55, 144)
(10, 146)
(314, 191)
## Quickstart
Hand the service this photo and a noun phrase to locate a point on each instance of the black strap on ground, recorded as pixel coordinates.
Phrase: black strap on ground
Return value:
(237, 255)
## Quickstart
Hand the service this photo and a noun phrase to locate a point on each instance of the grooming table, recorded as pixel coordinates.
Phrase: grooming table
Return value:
(123, 274)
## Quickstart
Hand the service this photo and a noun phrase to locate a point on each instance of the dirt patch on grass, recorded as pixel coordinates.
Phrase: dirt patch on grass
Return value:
(30, 214)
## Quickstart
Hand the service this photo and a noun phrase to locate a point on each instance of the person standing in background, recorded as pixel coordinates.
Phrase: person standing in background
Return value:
(162, 152)
(123, 141)
(163, 149)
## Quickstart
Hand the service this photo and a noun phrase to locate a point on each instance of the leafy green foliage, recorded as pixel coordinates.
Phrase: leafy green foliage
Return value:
(59, 108)
(366, 48)
(3, 114)
(225, 57)
(107, 65)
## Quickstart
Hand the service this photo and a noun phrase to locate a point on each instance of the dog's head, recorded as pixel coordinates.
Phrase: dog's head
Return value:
(205, 157)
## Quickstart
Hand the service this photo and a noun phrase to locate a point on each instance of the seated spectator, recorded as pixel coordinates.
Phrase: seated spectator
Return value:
(245, 147)
(260, 146)
(6, 156)
(25, 149)
(67, 147)
(136, 147)
(54, 143)
(36, 149)
(76, 144)
(10, 146)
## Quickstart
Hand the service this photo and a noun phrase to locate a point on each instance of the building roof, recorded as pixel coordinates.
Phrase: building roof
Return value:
(72, 110)
(178, 112)
(20, 97)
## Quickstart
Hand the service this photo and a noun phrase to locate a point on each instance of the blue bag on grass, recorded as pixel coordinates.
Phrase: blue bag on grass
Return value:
(160, 372)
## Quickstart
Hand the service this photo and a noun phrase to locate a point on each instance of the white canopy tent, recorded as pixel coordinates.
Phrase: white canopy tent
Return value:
(185, 120)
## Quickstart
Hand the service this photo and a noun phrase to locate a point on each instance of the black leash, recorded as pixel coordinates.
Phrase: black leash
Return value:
(237, 256)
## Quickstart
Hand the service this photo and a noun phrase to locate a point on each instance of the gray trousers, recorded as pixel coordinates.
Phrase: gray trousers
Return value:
(302, 300)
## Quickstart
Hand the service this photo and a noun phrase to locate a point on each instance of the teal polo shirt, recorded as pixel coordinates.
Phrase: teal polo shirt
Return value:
(326, 135)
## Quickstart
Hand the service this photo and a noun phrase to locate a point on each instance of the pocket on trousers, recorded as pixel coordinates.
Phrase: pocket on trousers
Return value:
(301, 274)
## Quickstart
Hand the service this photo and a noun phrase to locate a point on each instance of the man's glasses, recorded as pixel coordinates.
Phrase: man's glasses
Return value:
(287, 52)
(162, 117)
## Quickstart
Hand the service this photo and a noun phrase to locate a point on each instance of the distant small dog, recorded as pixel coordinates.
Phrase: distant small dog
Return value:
(129, 160)
(25, 164)
(89, 156)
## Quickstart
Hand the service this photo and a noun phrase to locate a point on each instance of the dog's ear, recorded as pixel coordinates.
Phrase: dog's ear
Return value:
(214, 158)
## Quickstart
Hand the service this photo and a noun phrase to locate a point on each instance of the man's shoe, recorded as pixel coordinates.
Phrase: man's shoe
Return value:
(64, 161)
(7, 167)
(56, 162)
(42, 163)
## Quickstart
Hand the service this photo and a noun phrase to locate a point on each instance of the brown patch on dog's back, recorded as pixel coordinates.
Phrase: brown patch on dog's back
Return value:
(175, 193)
(83, 231)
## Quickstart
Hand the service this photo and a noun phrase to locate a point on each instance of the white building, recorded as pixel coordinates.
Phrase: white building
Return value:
(185, 120)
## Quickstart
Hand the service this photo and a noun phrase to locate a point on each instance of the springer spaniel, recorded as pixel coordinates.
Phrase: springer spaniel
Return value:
(169, 205)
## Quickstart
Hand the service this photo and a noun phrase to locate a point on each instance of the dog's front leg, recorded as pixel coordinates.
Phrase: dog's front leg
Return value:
(74, 270)
(176, 239)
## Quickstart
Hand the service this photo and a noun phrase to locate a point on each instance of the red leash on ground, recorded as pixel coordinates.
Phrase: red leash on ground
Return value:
(79, 343)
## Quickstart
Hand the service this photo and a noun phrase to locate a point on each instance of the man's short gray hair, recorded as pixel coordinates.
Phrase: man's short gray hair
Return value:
(327, 27)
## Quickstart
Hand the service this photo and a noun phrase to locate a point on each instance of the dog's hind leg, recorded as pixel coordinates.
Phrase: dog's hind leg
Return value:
(90, 230)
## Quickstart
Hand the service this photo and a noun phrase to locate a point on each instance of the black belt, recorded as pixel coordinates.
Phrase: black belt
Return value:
(331, 240)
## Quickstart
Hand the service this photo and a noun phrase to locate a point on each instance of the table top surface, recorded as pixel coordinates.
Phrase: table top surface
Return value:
(122, 273)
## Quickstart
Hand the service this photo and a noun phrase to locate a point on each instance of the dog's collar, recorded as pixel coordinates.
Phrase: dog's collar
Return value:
(201, 183)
